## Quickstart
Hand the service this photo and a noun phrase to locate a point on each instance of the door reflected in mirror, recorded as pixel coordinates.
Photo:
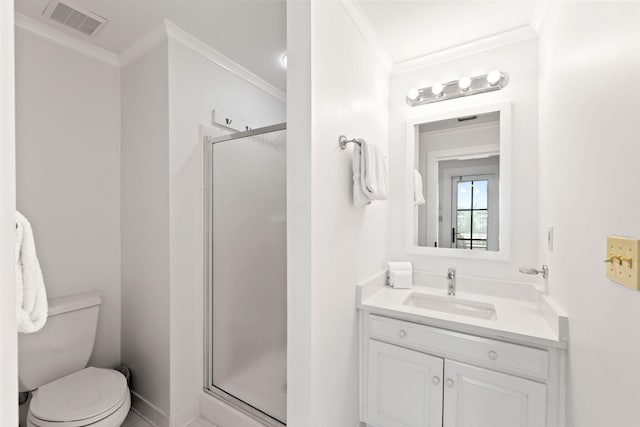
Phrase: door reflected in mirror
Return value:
(457, 183)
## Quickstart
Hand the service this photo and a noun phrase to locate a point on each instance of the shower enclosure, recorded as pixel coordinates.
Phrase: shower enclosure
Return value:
(245, 262)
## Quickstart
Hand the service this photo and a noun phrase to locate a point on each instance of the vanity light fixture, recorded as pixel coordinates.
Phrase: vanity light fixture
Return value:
(464, 83)
(466, 86)
(413, 94)
(494, 77)
(437, 90)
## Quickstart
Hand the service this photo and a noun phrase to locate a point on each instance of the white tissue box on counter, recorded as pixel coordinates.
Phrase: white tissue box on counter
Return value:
(400, 275)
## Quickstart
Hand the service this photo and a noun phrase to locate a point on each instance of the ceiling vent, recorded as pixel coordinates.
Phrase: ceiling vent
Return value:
(71, 16)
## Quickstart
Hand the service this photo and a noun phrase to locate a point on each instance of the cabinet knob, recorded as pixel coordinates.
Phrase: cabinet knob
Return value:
(402, 334)
(450, 382)
(493, 355)
(435, 380)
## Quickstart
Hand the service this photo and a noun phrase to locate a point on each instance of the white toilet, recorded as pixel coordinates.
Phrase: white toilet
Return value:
(52, 362)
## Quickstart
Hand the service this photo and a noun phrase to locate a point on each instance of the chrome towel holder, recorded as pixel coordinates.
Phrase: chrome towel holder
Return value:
(343, 141)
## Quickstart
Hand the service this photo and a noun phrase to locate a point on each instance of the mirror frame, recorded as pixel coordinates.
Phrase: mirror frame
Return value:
(504, 239)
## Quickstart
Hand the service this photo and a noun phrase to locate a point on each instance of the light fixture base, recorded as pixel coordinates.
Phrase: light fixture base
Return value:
(452, 89)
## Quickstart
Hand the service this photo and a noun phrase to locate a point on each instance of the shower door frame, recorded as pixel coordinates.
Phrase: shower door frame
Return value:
(209, 387)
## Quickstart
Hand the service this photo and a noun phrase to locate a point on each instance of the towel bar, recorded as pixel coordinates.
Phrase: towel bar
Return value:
(343, 141)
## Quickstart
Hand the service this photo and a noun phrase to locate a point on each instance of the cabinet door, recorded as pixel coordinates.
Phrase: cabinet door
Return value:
(476, 397)
(404, 387)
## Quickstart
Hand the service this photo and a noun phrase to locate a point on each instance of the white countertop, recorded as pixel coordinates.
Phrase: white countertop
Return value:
(525, 317)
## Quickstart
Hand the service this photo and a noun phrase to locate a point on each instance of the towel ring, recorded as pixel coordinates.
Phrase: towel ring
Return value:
(343, 141)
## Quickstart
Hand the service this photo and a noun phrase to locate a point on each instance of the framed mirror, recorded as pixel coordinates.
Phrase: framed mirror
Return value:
(458, 182)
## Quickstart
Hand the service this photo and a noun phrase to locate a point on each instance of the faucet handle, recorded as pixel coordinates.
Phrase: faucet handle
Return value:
(451, 272)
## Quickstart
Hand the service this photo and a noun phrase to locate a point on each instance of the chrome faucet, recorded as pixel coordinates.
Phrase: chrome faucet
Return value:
(451, 277)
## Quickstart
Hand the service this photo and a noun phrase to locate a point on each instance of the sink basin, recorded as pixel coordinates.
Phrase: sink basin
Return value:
(452, 305)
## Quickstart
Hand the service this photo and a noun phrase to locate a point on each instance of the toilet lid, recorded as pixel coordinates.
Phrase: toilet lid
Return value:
(83, 394)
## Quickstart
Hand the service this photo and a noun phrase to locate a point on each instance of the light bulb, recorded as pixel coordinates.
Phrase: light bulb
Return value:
(413, 94)
(464, 84)
(283, 60)
(437, 89)
(494, 77)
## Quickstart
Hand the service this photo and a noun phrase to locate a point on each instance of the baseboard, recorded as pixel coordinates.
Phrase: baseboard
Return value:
(186, 416)
(224, 415)
(156, 417)
(148, 411)
(152, 414)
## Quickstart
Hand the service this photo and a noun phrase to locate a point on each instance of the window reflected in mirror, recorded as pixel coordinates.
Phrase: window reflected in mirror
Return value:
(457, 183)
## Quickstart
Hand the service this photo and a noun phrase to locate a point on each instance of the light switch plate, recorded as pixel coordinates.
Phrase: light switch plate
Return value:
(622, 257)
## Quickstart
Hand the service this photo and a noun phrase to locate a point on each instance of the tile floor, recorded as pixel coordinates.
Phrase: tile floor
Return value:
(201, 422)
(135, 420)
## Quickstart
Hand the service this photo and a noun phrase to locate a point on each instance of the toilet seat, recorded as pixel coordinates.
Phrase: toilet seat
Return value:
(92, 396)
(113, 419)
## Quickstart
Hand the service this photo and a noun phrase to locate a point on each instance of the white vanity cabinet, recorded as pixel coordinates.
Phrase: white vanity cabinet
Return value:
(405, 387)
(414, 375)
(484, 398)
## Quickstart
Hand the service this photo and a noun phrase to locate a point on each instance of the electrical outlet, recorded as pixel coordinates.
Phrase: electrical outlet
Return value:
(622, 261)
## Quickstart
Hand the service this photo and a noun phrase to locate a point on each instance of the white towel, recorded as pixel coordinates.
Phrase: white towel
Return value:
(31, 295)
(360, 198)
(400, 274)
(401, 279)
(418, 194)
(369, 174)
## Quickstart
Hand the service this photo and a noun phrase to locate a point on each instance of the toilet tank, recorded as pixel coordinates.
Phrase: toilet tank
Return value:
(65, 343)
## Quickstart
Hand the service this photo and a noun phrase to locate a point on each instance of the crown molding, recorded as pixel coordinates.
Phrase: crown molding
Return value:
(166, 30)
(364, 25)
(486, 43)
(55, 35)
(178, 34)
(540, 9)
(160, 33)
(144, 44)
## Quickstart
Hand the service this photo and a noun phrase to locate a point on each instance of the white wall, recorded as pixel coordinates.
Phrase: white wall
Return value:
(299, 214)
(68, 175)
(197, 86)
(589, 151)
(8, 331)
(349, 95)
(145, 225)
(167, 94)
(519, 60)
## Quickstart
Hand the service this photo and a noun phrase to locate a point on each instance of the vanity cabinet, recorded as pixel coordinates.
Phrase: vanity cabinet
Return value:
(405, 387)
(416, 375)
(483, 398)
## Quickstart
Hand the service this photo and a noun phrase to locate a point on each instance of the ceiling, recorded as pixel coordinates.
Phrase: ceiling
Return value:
(410, 29)
(250, 32)
(253, 32)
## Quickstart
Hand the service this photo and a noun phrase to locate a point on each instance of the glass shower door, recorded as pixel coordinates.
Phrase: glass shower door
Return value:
(246, 254)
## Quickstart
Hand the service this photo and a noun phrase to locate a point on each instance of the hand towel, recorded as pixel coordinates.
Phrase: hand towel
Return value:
(401, 279)
(359, 196)
(31, 295)
(400, 275)
(418, 194)
(374, 170)
(369, 174)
